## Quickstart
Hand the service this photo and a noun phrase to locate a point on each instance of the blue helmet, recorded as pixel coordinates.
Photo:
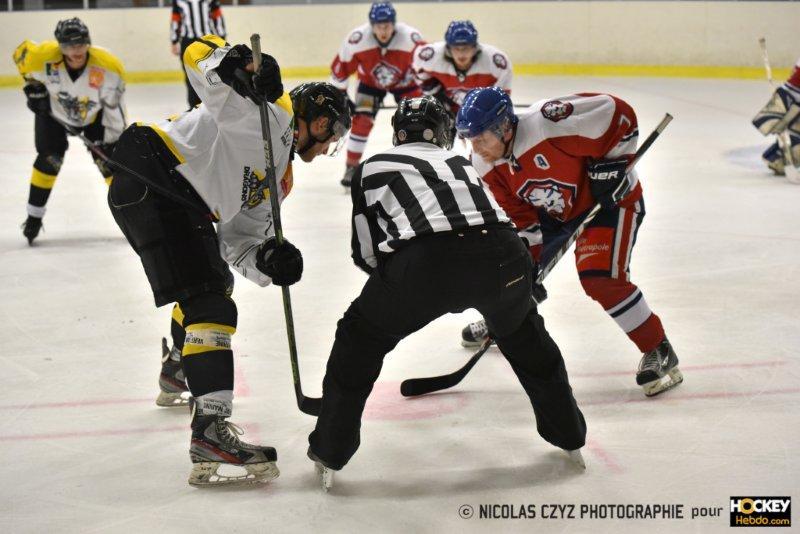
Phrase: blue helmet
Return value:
(489, 108)
(382, 12)
(461, 32)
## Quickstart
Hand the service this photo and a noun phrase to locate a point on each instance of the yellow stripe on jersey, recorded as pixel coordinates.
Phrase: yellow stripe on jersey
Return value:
(177, 314)
(201, 49)
(285, 102)
(207, 337)
(31, 57)
(40, 179)
(167, 140)
(100, 57)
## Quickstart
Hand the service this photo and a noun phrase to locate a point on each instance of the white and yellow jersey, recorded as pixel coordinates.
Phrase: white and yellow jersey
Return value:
(101, 85)
(221, 154)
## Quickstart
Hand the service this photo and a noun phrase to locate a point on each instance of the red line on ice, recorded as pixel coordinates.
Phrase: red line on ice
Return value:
(604, 456)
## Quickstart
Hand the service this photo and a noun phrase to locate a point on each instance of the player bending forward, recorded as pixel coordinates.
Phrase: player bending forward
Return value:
(547, 167)
(451, 68)
(782, 113)
(433, 241)
(204, 166)
(379, 51)
(68, 81)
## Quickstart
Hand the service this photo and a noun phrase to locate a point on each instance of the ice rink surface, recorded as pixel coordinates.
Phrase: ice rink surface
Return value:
(86, 449)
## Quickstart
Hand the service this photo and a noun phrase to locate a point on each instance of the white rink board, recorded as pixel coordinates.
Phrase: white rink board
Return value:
(86, 449)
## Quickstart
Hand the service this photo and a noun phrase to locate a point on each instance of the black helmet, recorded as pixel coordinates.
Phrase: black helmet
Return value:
(424, 120)
(318, 99)
(72, 32)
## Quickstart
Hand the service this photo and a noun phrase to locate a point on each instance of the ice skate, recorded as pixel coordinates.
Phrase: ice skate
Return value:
(31, 228)
(576, 458)
(658, 370)
(171, 381)
(215, 443)
(474, 334)
(324, 473)
(347, 179)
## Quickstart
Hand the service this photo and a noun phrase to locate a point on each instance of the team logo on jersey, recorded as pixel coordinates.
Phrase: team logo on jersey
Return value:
(416, 38)
(52, 73)
(385, 74)
(548, 194)
(254, 188)
(76, 109)
(556, 110)
(426, 53)
(96, 77)
(540, 161)
(500, 61)
(355, 37)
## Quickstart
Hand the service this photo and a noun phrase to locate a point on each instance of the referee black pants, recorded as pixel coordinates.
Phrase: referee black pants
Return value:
(487, 269)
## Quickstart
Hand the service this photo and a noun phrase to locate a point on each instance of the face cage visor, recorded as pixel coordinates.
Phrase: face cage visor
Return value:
(338, 131)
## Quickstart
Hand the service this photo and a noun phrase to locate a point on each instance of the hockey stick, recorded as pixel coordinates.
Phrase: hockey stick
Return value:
(94, 149)
(307, 405)
(413, 387)
(784, 141)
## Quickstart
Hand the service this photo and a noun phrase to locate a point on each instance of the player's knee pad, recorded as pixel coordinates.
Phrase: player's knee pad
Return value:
(362, 125)
(605, 290)
(367, 104)
(781, 112)
(49, 164)
(209, 309)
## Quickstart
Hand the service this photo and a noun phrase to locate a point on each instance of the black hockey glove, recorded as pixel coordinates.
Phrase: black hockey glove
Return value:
(38, 98)
(608, 181)
(264, 84)
(282, 263)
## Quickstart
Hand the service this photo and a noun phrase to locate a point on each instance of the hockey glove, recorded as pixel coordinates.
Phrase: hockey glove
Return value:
(608, 181)
(282, 263)
(267, 81)
(264, 84)
(38, 98)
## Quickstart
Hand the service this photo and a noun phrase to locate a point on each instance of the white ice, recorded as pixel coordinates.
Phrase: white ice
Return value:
(85, 449)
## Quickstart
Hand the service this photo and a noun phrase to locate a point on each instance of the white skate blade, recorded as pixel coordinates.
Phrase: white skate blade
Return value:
(665, 383)
(471, 344)
(576, 458)
(169, 400)
(204, 474)
(325, 476)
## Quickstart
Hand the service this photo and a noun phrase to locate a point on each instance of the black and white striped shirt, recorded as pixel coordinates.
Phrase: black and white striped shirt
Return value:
(412, 190)
(192, 19)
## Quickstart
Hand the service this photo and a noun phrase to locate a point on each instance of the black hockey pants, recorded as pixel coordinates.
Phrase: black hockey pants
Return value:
(488, 269)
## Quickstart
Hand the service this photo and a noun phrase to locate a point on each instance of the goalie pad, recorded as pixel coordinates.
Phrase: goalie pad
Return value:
(776, 156)
(781, 112)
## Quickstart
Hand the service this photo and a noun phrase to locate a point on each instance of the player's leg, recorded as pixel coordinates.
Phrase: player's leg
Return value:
(51, 144)
(602, 257)
(368, 102)
(535, 358)
(180, 255)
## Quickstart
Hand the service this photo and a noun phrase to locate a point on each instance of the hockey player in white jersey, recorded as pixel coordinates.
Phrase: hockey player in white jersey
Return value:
(203, 166)
(68, 81)
(781, 116)
(450, 69)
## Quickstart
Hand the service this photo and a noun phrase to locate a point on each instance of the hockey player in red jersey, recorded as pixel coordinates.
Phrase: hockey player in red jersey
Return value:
(451, 68)
(781, 114)
(380, 53)
(547, 167)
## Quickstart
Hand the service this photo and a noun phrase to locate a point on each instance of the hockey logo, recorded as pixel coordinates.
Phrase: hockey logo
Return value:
(76, 109)
(541, 162)
(426, 53)
(416, 38)
(52, 73)
(254, 188)
(500, 61)
(548, 194)
(556, 110)
(355, 37)
(385, 74)
(96, 77)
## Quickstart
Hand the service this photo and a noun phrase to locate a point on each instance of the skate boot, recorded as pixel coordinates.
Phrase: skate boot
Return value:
(474, 334)
(347, 179)
(658, 370)
(576, 458)
(773, 157)
(216, 443)
(31, 228)
(171, 381)
(324, 473)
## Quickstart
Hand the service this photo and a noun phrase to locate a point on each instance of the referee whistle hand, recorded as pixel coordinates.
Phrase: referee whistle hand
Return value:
(282, 263)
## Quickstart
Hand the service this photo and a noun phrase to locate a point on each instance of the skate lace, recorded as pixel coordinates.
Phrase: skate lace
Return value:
(478, 328)
(651, 360)
(230, 433)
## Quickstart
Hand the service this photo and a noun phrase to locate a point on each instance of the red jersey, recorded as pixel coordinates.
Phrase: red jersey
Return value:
(433, 67)
(546, 173)
(385, 67)
(794, 78)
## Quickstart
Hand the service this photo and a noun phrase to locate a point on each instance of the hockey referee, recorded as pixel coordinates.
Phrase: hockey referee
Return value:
(192, 19)
(434, 241)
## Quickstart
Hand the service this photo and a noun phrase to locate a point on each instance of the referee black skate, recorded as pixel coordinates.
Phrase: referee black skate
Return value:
(433, 241)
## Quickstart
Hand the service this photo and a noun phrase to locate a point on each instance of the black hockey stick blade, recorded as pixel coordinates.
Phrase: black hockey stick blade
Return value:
(310, 406)
(413, 387)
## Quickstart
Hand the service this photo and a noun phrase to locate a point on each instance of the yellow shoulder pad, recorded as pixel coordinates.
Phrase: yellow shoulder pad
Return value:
(31, 57)
(201, 49)
(101, 57)
(285, 102)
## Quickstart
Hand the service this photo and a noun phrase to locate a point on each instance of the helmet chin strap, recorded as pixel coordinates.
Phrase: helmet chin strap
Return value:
(311, 141)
